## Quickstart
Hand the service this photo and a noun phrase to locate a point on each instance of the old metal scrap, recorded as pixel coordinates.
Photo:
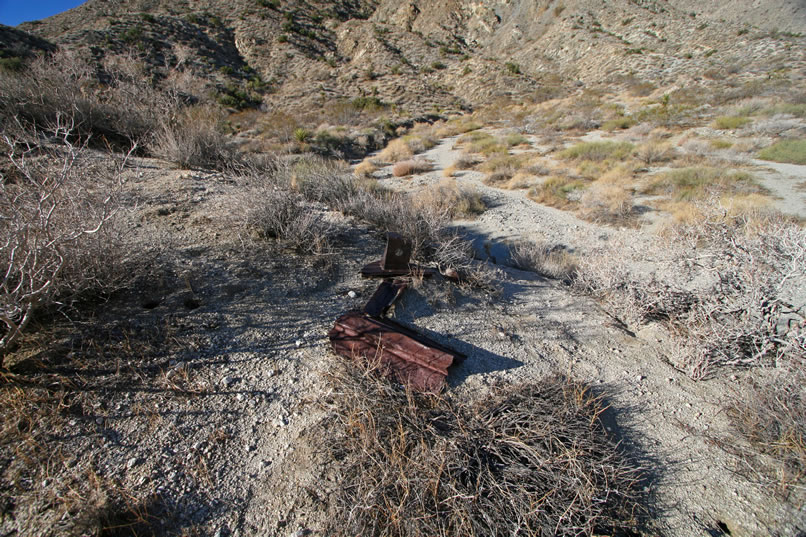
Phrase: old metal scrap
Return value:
(398, 351)
(411, 358)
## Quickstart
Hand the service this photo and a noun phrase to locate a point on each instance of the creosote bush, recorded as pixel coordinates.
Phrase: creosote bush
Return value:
(531, 459)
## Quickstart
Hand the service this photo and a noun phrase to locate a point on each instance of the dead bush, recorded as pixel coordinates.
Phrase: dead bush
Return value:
(411, 167)
(58, 241)
(121, 110)
(531, 459)
(265, 211)
(194, 139)
(725, 284)
(466, 162)
(550, 261)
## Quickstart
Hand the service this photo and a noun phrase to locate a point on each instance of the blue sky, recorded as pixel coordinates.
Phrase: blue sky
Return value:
(13, 12)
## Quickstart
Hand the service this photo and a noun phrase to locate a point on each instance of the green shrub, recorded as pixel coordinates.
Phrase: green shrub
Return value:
(302, 135)
(282, 38)
(791, 151)
(618, 123)
(11, 64)
(513, 68)
(368, 103)
(696, 183)
(597, 151)
(730, 122)
(438, 65)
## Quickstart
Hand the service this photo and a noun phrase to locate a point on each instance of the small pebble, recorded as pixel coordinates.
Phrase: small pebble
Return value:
(352, 294)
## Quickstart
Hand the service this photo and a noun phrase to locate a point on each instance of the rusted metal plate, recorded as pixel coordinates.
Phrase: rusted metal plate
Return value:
(384, 297)
(397, 254)
(375, 270)
(408, 356)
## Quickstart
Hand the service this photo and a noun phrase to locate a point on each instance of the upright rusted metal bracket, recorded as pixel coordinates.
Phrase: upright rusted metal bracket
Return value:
(396, 261)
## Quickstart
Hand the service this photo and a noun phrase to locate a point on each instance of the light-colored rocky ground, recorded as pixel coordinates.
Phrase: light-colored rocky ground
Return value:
(209, 407)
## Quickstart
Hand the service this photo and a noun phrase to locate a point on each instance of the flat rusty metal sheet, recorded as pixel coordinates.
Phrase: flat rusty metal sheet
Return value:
(411, 358)
(383, 298)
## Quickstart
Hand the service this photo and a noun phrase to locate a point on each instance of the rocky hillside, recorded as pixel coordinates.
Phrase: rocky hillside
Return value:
(422, 55)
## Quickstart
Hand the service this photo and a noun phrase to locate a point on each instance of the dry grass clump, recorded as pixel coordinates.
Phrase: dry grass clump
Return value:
(532, 459)
(411, 167)
(418, 140)
(482, 143)
(59, 240)
(448, 196)
(772, 419)
(520, 181)
(554, 262)
(466, 162)
(365, 169)
(395, 151)
(607, 203)
(701, 182)
(457, 126)
(194, 139)
(654, 152)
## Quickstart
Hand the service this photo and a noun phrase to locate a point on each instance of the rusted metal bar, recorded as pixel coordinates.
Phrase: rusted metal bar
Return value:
(410, 357)
(383, 298)
(375, 270)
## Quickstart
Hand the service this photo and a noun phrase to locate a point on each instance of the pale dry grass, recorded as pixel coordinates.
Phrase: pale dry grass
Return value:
(532, 460)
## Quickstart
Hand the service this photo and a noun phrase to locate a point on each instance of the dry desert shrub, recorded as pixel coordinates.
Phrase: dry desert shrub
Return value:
(550, 261)
(123, 110)
(267, 212)
(58, 238)
(194, 138)
(725, 284)
(531, 459)
(608, 203)
(411, 167)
